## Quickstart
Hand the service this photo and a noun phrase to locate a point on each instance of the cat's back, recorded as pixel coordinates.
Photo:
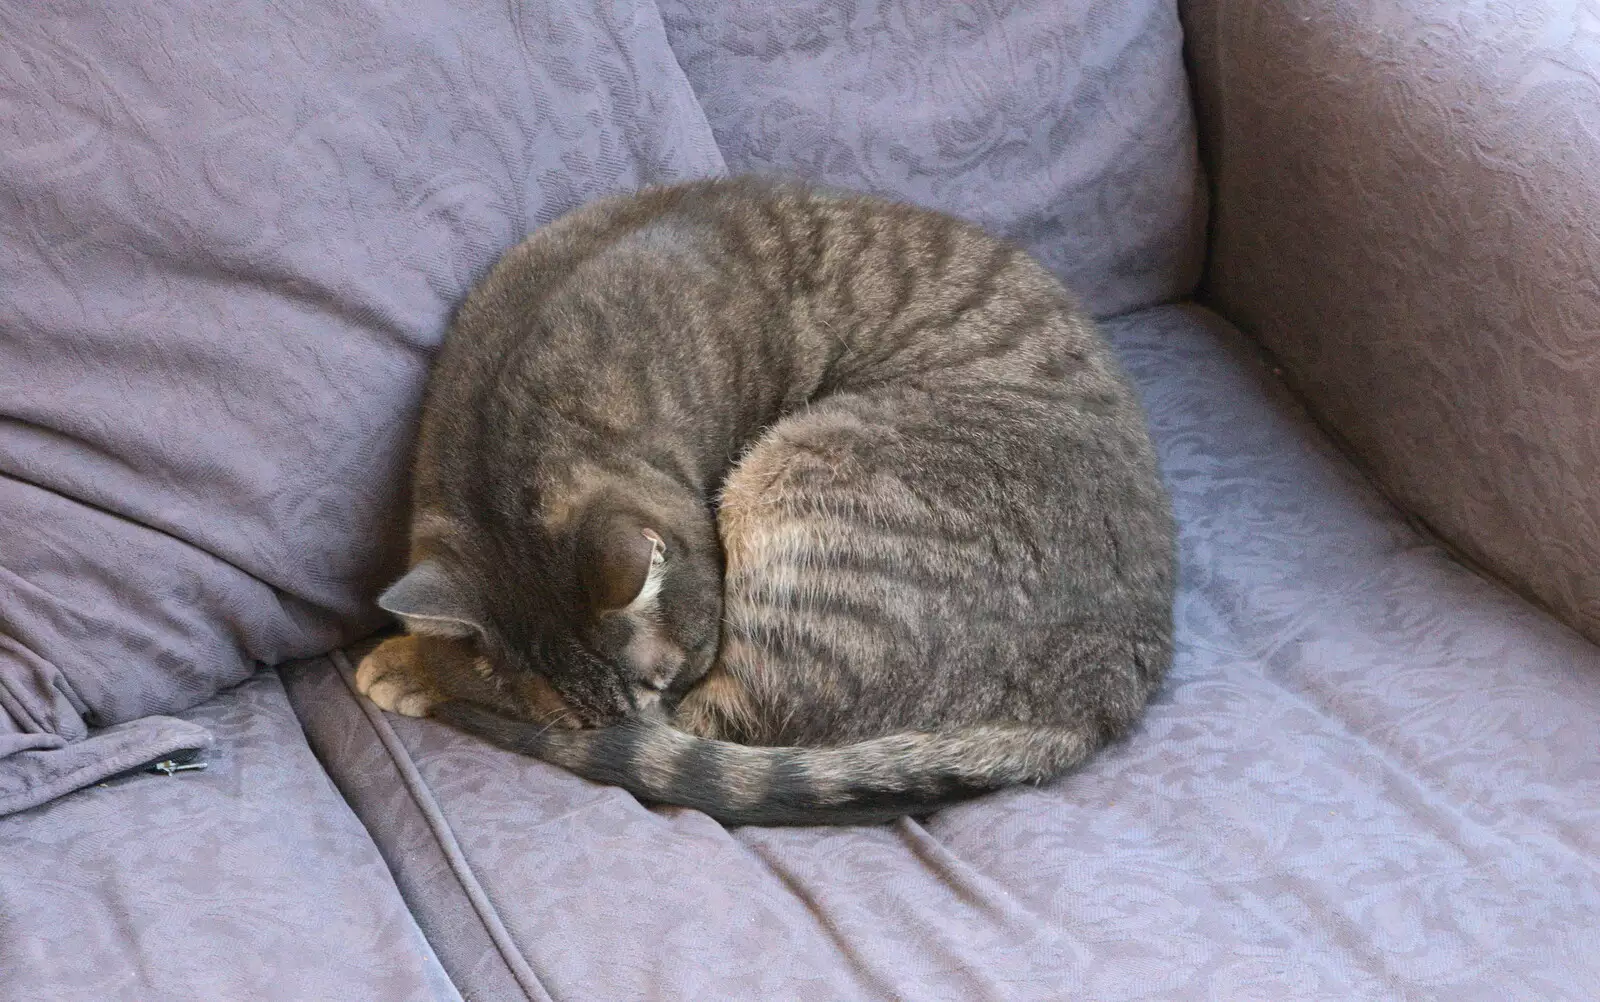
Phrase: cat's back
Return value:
(934, 489)
(714, 307)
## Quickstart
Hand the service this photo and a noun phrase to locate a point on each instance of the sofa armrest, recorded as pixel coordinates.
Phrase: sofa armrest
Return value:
(1407, 214)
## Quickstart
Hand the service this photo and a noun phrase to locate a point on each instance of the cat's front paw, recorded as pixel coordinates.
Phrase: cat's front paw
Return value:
(394, 677)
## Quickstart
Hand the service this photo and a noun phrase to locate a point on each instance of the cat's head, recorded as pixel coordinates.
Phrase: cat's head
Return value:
(617, 605)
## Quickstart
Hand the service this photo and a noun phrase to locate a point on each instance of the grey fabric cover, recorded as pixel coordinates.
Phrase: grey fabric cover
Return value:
(1063, 126)
(228, 242)
(249, 880)
(230, 236)
(1372, 776)
(1408, 214)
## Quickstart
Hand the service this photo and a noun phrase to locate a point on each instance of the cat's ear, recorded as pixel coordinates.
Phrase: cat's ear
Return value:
(623, 565)
(430, 602)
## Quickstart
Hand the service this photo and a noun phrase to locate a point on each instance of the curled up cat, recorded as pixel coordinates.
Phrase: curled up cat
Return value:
(792, 506)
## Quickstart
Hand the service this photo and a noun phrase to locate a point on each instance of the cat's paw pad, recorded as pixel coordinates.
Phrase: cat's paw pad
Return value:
(394, 681)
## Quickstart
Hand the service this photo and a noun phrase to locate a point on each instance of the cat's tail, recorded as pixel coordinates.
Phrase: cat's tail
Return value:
(863, 783)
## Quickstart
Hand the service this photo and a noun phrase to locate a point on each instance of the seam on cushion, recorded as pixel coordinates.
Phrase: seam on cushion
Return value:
(1408, 530)
(420, 793)
(1433, 799)
(1420, 528)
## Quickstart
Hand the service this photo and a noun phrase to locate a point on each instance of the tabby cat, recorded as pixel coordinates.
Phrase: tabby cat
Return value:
(796, 507)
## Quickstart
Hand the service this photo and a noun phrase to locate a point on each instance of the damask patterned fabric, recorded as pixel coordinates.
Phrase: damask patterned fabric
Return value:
(1371, 776)
(1408, 214)
(229, 242)
(249, 880)
(230, 237)
(1064, 126)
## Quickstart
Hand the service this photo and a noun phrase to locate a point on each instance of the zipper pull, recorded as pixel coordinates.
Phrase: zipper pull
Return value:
(170, 766)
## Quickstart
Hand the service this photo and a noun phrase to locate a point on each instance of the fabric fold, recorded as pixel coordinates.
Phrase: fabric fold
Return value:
(36, 768)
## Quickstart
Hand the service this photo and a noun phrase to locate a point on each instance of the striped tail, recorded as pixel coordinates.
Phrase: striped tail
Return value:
(865, 783)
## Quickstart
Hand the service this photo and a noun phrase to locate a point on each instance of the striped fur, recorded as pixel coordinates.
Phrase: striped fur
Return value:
(812, 508)
(867, 782)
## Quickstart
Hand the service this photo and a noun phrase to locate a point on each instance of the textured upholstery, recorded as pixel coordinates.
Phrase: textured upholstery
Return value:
(1064, 126)
(1408, 215)
(250, 879)
(230, 238)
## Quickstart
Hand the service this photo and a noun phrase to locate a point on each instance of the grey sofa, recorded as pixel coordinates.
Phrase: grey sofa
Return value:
(1349, 251)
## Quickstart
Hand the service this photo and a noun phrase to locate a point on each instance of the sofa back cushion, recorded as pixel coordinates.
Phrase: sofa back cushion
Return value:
(230, 237)
(1062, 124)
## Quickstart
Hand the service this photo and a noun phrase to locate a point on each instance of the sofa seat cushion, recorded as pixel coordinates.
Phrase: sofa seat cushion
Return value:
(250, 879)
(1371, 775)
